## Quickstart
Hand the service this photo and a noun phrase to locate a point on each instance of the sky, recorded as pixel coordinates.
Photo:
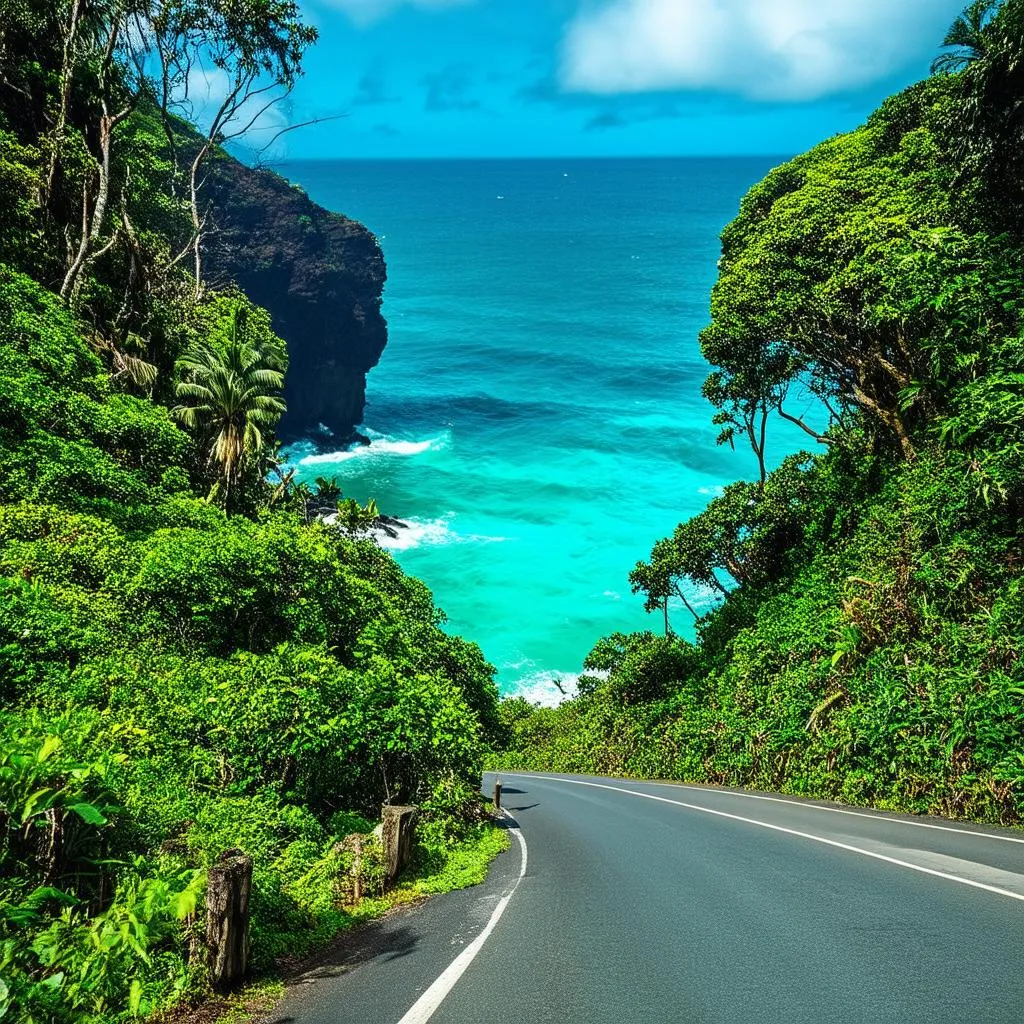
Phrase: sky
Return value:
(533, 78)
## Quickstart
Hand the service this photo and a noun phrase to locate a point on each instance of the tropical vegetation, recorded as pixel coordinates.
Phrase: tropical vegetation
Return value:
(857, 611)
(191, 658)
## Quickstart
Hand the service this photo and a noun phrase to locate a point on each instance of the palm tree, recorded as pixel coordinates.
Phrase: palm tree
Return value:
(968, 38)
(232, 396)
(988, 119)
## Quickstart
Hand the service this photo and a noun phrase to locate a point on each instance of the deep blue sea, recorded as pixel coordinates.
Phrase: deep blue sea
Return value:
(537, 416)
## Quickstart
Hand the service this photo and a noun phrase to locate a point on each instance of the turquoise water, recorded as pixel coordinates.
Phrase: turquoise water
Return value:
(537, 416)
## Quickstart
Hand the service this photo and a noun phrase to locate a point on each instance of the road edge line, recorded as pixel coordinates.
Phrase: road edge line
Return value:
(892, 817)
(427, 1005)
(792, 832)
(808, 805)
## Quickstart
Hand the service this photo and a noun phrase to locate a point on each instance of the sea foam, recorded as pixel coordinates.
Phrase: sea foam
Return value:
(539, 687)
(418, 533)
(380, 446)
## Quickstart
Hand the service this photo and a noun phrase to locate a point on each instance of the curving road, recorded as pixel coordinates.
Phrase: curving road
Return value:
(665, 904)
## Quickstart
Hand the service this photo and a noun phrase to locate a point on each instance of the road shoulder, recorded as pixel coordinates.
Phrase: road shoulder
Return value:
(376, 972)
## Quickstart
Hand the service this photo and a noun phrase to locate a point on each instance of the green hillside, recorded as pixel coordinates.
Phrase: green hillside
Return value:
(190, 660)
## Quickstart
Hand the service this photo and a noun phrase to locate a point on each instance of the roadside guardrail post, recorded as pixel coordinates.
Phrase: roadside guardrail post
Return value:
(229, 883)
(397, 836)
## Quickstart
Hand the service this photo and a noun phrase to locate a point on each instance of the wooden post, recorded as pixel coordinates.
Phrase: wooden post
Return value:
(497, 794)
(397, 834)
(229, 883)
(353, 844)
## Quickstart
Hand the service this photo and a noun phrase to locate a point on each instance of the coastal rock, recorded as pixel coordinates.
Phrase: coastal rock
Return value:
(389, 526)
(320, 274)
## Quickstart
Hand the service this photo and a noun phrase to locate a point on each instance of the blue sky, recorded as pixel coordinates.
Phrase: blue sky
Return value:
(457, 78)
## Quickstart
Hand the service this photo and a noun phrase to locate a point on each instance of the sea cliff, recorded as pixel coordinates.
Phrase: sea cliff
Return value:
(320, 274)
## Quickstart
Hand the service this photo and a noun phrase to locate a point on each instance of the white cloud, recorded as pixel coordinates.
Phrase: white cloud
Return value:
(365, 12)
(762, 49)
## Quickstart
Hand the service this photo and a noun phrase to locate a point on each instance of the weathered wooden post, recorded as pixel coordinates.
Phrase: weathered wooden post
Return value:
(228, 885)
(397, 834)
(497, 794)
(353, 844)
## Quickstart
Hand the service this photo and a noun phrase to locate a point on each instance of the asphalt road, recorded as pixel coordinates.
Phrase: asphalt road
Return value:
(662, 904)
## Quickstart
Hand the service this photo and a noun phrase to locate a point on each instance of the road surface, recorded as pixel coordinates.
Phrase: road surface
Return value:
(663, 904)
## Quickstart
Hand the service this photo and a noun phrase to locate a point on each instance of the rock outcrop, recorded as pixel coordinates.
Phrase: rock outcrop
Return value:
(320, 274)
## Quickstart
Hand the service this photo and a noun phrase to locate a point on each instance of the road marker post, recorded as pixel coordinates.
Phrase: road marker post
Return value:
(228, 887)
(497, 794)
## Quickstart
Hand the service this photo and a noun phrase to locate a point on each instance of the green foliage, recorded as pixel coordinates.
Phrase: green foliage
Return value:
(230, 395)
(18, 175)
(967, 40)
(177, 681)
(637, 668)
(987, 126)
(184, 668)
(878, 663)
(745, 535)
(66, 953)
(66, 436)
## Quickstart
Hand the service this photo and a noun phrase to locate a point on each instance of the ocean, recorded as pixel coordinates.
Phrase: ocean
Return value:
(537, 417)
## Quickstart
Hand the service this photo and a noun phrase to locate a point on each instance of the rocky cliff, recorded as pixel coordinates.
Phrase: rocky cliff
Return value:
(320, 274)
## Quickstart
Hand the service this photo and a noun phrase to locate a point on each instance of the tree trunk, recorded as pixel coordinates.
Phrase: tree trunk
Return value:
(66, 76)
(889, 418)
(196, 244)
(51, 854)
(820, 438)
(107, 124)
(71, 277)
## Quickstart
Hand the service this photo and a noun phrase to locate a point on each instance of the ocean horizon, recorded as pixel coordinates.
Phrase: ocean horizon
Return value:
(537, 416)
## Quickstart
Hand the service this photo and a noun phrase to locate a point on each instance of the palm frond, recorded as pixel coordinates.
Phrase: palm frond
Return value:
(267, 378)
(968, 37)
(198, 392)
(187, 415)
(142, 374)
(950, 63)
(234, 395)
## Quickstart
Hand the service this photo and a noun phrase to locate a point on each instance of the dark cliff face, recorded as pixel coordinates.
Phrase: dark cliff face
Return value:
(321, 276)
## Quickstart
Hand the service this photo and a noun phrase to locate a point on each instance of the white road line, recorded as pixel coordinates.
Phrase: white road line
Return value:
(792, 832)
(427, 1005)
(842, 810)
(807, 805)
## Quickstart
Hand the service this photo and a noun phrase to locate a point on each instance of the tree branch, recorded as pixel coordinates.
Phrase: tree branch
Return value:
(820, 438)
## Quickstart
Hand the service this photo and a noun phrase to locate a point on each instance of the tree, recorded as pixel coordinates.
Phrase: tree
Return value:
(988, 121)
(109, 39)
(739, 413)
(89, 65)
(251, 51)
(639, 668)
(835, 276)
(231, 396)
(967, 39)
(744, 536)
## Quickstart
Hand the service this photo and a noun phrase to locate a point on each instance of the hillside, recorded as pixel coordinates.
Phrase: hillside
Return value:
(866, 641)
(190, 661)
